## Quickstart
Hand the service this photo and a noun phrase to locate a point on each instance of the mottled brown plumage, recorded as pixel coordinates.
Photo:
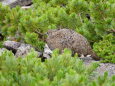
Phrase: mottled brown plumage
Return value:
(66, 38)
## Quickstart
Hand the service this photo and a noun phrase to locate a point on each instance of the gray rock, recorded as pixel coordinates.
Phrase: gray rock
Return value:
(19, 49)
(26, 7)
(103, 67)
(24, 49)
(11, 45)
(87, 60)
(47, 52)
(39, 54)
(14, 3)
(106, 67)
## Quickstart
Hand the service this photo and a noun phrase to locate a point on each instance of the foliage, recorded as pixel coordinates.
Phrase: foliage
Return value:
(63, 14)
(3, 12)
(11, 22)
(106, 48)
(35, 42)
(60, 70)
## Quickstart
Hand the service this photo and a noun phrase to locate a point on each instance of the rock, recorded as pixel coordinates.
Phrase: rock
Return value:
(103, 67)
(19, 49)
(39, 54)
(24, 49)
(87, 60)
(14, 3)
(26, 7)
(12, 45)
(106, 67)
(47, 52)
(66, 38)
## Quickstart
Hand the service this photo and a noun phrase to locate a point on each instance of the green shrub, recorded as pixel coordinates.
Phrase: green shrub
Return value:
(63, 14)
(11, 22)
(60, 70)
(35, 42)
(3, 12)
(106, 48)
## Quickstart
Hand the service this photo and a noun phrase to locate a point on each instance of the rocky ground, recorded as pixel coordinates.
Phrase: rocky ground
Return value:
(103, 67)
(21, 49)
(14, 3)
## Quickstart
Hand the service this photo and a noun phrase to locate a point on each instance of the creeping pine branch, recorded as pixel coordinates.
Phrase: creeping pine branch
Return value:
(112, 30)
(41, 35)
(80, 17)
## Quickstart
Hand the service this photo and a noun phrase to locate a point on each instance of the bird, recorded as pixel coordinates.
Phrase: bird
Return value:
(67, 38)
